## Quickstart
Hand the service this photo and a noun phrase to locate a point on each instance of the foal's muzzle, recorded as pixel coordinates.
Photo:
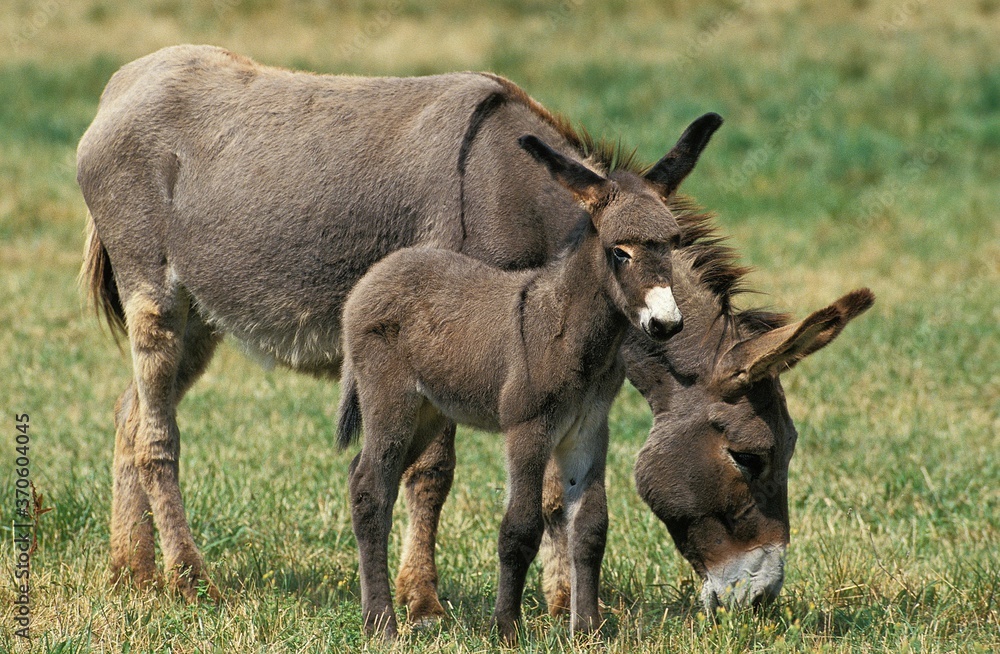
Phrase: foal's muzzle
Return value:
(660, 318)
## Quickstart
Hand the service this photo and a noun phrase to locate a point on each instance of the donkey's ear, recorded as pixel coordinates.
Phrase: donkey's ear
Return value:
(587, 186)
(778, 350)
(850, 307)
(671, 170)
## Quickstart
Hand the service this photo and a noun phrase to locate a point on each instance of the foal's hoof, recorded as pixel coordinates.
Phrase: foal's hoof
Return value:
(376, 623)
(506, 630)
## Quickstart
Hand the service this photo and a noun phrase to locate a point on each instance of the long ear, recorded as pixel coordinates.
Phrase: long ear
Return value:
(779, 349)
(671, 170)
(850, 307)
(587, 186)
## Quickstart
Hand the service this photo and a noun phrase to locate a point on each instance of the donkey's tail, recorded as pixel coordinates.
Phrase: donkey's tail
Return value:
(98, 279)
(349, 420)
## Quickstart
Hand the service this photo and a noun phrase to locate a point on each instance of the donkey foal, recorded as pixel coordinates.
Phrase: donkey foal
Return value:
(433, 336)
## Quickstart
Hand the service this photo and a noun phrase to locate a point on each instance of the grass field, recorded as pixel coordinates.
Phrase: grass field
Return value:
(862, 147)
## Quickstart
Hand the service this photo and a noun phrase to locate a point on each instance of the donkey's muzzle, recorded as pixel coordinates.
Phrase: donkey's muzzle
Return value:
(661, 331)
(753, 579)
(660, 318)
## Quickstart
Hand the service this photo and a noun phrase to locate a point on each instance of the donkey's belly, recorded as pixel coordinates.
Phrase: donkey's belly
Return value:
(462, 409)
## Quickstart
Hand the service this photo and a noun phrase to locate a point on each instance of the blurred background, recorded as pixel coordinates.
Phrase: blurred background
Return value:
(861, 148)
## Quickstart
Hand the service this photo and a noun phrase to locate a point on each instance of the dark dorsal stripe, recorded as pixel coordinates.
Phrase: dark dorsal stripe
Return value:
(483, 110)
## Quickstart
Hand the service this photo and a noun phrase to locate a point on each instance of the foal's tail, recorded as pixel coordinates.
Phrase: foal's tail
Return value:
(349, 420)
(98, 279)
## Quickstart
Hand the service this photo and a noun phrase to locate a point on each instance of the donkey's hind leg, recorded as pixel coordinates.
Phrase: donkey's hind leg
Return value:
(132, 541)
(132, 538)
(390, 414)
(158, 334)
(554, 551)
(587, 523)
(427, 483)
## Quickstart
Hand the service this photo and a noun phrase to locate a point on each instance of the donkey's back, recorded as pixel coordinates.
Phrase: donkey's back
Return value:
(447, 325)
(266, 193)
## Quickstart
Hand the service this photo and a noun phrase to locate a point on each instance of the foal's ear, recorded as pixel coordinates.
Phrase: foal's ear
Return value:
(587, 186)
(671, 170)
(773, 352)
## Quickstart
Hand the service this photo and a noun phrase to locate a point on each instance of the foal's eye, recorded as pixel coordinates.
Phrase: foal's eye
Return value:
(621, 256)
(752, 464)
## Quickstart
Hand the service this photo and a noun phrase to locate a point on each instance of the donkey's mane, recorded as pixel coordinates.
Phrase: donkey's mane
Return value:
(715, 264)
(717, 267)
(609, 155)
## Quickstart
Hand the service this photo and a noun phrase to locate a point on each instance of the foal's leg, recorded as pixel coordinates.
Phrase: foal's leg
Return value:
(157, 325)
(389, 417)
(427, 482)
(528, 449)
(554, 550)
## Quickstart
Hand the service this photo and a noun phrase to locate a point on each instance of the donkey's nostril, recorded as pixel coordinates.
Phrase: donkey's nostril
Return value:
(675, 327)
(661, 331)
(765, 597)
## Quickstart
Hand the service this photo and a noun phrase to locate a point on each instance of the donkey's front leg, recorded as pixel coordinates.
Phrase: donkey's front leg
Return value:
(427, 482)
(528, 449)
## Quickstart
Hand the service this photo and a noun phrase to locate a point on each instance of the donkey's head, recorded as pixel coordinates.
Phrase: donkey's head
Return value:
(715, 466)
(630, 216)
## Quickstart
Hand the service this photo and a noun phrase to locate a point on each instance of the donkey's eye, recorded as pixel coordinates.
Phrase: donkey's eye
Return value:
(621, 256)
(752, 464)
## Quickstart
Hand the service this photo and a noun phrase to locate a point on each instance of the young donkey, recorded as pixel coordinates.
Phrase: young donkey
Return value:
(433, 335)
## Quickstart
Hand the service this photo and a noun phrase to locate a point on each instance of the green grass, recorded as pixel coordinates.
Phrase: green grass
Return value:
(853, 154)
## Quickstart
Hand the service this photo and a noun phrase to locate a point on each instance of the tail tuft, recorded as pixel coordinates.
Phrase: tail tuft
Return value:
(97, 277)
(349, 421)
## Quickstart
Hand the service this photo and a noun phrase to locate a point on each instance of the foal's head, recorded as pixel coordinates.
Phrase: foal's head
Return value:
(630, 216)
(715, 466)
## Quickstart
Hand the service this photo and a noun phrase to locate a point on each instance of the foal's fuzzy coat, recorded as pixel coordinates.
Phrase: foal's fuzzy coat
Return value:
(433, 335)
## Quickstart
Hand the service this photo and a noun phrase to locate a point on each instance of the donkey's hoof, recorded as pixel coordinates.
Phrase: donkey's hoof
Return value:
(381, 624)
(140, 577)
(558, 602)
(506, 629)
(196, 587)
(426, 623)
(424, 611)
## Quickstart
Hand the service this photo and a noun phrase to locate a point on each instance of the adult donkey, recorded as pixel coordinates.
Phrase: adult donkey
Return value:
(714, 467)
(229, 197)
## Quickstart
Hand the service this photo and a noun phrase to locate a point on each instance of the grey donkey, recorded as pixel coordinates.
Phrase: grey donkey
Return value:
(231, 198)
